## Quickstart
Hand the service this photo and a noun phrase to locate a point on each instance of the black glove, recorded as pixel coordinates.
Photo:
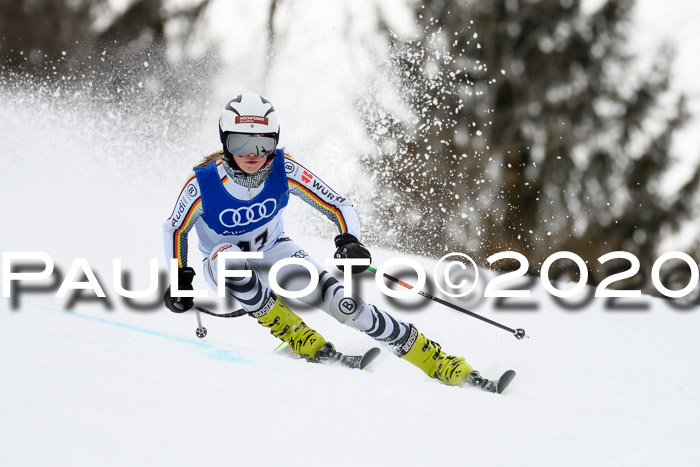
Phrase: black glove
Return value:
(350, 247)
(184, 282)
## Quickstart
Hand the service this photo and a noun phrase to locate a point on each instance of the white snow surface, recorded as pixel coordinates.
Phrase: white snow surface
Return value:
(115, 387)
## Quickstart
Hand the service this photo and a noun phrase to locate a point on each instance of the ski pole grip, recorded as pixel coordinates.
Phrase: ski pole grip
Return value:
(520, 334)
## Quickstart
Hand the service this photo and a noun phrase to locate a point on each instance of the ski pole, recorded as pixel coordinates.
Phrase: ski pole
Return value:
(201, 330)
(518, 333)
(231, 314)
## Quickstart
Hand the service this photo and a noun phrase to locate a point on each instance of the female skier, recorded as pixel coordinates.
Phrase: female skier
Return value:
(235, 199)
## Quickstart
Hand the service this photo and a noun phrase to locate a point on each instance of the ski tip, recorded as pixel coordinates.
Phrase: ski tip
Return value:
(504, 381)
(281, 347)
(369, 357)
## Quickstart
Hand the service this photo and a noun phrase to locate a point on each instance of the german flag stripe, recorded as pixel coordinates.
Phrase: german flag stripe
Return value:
(189, 180)
(318, 200)
(287, 157)
(332, 209)
(180, 194)
(183, 227)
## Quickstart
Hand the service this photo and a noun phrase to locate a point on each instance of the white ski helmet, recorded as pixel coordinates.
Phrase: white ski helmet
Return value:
(252, 115)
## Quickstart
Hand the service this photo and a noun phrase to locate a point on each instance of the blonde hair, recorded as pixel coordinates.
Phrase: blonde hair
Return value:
(214, 156)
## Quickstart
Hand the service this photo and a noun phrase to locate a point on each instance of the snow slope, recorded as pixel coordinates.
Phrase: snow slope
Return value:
(115, 386)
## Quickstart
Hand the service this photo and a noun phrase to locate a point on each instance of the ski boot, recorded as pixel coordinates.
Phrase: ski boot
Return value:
(484, 384)
(327, 353)
(286, 325)
(429, 357)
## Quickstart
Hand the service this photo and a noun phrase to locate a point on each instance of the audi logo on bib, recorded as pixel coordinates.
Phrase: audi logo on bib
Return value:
(248, 214)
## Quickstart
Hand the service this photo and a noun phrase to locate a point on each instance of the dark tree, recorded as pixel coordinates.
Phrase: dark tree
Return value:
(528, 127)
(81, 40)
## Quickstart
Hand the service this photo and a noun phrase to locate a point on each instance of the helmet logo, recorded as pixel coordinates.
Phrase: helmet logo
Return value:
(251, 119)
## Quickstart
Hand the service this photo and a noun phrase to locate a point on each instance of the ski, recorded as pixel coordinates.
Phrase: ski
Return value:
(494, 386)
(504, 381)
(359, 362)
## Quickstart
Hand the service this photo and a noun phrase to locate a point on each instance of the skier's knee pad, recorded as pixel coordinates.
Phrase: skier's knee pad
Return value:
(352, 311)
(213, 262)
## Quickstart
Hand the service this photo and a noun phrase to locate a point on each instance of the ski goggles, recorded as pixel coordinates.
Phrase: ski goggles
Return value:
(241, 144)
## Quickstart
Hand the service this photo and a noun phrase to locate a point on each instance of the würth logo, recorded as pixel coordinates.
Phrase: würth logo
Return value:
(306, 177)
(251, 119)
